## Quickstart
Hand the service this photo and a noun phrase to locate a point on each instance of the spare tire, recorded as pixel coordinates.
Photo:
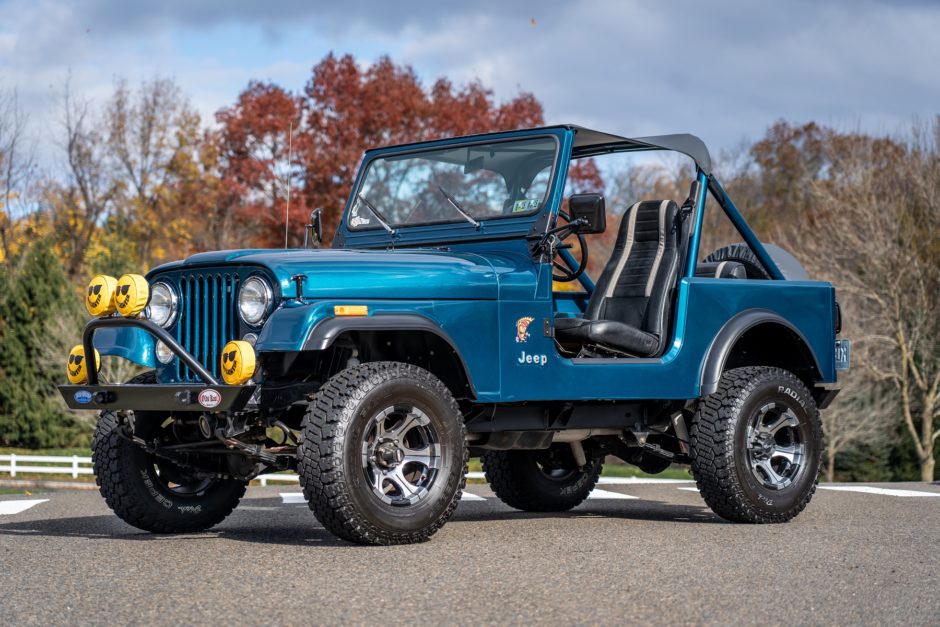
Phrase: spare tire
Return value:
(742, 254)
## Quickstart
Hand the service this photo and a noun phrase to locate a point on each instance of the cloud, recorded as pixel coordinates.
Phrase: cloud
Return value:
(722, 71)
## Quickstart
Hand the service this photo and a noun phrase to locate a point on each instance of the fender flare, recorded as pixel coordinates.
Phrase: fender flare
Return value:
(326, 331)
(731, 332)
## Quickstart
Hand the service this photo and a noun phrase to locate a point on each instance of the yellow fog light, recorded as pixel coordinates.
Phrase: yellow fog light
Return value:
(131, 295)
(78, 366)
(238, 362)
(100, 298)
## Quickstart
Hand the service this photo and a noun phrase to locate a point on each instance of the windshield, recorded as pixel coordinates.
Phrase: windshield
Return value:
(458, 184)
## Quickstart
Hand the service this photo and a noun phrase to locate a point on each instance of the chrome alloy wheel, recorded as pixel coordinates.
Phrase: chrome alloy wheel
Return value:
(401, 454)
(775, 446)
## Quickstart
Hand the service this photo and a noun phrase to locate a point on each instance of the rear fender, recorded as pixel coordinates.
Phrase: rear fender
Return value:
(795, 354)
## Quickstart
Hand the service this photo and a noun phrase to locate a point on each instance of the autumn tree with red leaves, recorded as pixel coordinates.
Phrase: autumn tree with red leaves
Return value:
(344, 110)
(260, 144)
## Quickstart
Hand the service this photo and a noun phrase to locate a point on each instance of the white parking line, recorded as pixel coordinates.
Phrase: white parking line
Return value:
(688, 489)
(611, 480)
(297, 498)
(8, 508)
(607, 494)
(641, 480)
(870, 490)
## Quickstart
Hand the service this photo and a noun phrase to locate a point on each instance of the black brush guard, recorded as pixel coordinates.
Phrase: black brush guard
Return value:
(209, 396)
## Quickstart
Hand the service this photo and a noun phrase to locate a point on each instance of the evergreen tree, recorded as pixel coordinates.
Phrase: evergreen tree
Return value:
(34, 297)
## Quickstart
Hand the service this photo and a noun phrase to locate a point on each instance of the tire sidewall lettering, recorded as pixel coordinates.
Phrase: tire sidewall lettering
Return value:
(383, 394)
(750, 401)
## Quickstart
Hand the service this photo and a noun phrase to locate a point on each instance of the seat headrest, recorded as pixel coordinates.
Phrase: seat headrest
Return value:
(648, 219)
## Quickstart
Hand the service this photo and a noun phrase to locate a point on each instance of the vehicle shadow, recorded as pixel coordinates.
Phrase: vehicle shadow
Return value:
(296, 526)
(111, 528)
(652, 511)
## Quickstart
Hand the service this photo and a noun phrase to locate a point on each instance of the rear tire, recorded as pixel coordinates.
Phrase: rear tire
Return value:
(756, 446)
(383, 454)
(540, 481)
(128, 480)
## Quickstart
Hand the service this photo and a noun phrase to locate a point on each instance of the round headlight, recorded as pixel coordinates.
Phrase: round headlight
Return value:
(254, 299)
(163, 304)
(164, 354)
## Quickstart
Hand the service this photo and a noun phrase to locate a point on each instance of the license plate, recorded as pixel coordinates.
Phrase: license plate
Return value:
(843, 353)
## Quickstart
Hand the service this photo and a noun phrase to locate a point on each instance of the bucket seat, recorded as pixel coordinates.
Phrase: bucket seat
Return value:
(630, 309)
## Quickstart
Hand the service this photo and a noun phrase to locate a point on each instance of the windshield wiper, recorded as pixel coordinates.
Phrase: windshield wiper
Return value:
(459, 209)
(375, 212)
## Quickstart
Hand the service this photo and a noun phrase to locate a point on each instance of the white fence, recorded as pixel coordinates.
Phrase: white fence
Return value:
(60, 465)
(74, 465)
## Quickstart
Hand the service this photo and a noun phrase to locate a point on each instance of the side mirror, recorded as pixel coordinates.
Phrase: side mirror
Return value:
(590, 210)
(316, 225)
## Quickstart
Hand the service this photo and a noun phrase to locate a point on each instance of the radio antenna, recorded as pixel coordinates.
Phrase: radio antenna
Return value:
(290, 159)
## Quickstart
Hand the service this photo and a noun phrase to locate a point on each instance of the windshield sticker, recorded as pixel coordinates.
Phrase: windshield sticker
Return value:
(525, 204)
(357, 221)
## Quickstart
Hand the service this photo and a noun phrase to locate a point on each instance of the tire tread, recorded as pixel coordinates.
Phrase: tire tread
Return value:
(129, 502)
(712, 445)
(329, 417)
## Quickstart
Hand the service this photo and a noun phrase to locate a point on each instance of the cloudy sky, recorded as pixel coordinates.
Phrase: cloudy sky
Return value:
(723, 70)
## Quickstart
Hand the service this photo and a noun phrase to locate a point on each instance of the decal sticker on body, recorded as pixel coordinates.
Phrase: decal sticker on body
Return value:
(522, 329)
(536, 360)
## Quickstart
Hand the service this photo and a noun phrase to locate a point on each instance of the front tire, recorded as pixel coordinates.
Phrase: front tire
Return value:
(756, 446)
(152, 493)
(383, 455)
(540, 481)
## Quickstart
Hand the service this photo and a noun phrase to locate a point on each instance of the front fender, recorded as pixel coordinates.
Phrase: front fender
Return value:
(298, 327)
(288, 327)
(133, 344)
(313, 326)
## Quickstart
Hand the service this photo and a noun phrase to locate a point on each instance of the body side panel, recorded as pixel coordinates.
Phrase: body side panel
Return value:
(533, 370)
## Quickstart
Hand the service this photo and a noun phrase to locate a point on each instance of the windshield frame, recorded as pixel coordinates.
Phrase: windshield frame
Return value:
(457, 219)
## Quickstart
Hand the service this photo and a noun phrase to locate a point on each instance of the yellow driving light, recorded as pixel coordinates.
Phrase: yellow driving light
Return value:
(77, 367)
(100, 298)
(238, 362)
(131, 295)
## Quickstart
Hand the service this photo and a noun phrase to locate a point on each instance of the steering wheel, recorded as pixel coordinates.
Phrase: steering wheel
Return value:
(568, 274)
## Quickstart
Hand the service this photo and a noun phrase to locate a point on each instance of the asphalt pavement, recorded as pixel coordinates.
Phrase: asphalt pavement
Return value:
(637, 553)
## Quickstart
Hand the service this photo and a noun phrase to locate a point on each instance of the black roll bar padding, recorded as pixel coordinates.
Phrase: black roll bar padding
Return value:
(153, 329)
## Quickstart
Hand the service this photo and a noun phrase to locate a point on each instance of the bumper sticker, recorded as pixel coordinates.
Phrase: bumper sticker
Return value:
(209, 398)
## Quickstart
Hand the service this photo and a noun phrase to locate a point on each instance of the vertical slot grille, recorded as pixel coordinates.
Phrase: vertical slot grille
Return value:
(208, 319)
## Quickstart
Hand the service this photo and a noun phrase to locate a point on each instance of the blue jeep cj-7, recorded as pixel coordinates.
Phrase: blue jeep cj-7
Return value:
(431, 332)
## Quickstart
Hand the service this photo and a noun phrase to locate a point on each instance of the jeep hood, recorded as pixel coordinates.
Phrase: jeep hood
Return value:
(350, 273)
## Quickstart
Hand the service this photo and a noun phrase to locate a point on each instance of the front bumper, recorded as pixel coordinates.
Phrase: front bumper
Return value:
(210, 395)
(216, 398)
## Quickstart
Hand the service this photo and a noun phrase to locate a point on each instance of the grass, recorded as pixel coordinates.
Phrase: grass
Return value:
(81, 452)
(19, 492)
(623, 470)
